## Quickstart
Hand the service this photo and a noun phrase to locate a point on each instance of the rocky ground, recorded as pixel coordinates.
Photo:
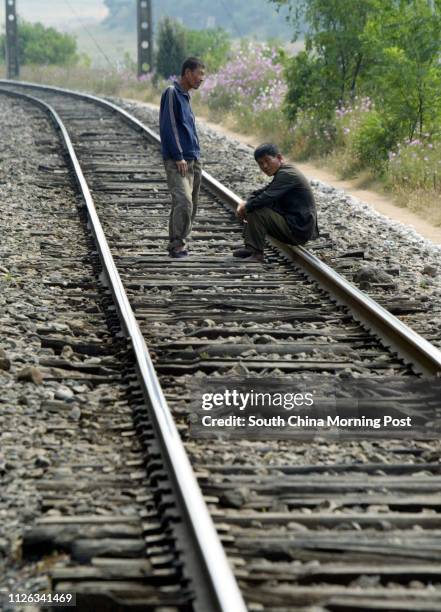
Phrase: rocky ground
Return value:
(388, 260)
(41, 413)
(62, 415)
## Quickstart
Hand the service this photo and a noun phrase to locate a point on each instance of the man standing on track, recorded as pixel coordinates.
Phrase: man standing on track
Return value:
(284, 209)
(181, 153)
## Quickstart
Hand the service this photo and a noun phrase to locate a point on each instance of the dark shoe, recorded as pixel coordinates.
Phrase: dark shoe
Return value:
(256, 257)
(243, 252)
(178, 253)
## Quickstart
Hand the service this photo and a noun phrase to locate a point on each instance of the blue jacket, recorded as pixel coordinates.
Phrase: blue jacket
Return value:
(177, 127)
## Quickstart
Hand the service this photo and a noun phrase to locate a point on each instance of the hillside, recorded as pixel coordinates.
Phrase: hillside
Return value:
(252, 18)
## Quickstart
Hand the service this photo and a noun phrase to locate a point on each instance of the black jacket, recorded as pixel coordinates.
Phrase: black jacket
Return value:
(289, 194)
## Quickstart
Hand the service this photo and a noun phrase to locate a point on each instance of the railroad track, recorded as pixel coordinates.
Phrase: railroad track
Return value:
(323, 526)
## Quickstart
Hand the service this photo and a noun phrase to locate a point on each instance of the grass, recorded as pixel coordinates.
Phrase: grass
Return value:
(421, 200)
(99, 81)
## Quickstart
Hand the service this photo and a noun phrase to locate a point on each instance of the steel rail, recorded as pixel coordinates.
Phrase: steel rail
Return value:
(409, 345)
(223, 592)
(424, 357)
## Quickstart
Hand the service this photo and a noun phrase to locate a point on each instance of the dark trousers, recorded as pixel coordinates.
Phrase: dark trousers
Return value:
(263, 221)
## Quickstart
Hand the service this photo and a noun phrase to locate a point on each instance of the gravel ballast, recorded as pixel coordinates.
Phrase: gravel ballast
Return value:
(41, 415)
(64, 416)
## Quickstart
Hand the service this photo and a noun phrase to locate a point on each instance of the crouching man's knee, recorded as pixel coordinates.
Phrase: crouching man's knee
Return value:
(256, 216)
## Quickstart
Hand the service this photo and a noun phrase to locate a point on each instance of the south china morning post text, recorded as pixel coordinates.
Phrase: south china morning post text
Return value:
(288, 401)
(265, 409)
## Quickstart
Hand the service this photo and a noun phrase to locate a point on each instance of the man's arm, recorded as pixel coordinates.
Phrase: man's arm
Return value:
(168, 128)
(281, 184)
(257, 191)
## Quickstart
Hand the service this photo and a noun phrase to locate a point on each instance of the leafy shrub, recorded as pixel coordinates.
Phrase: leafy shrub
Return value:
(311, 136)
(371, 141)
(41, 45)
(416, 164)
(211, 45)
(305, 77)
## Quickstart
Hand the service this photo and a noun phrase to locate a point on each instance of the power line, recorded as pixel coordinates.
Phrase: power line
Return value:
(86, 29)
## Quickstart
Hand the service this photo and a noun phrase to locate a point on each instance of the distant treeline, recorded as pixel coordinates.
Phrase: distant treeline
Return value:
(239, 18)
(38, 44)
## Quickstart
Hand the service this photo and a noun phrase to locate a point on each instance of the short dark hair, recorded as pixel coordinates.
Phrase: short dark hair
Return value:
(192, 63)
(267, 148)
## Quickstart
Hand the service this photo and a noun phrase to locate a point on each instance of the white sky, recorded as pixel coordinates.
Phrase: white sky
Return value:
(64, 14)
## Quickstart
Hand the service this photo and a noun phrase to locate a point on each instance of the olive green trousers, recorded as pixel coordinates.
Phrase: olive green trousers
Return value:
(184, 192)
(262, 222)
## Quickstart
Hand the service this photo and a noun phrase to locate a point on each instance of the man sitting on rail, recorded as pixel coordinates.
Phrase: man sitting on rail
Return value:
(284, 209)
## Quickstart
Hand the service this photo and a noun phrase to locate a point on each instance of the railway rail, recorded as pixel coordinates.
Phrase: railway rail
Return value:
(301, 529)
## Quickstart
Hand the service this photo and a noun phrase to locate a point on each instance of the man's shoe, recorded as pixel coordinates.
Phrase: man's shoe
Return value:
(178, 253)
(256, 257)
(243, 252)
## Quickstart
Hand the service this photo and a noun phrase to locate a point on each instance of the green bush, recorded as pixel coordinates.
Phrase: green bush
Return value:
(416, 164)
(306, 77)
(211, 45)
(370, 141)
(311, 135)
(41, 45)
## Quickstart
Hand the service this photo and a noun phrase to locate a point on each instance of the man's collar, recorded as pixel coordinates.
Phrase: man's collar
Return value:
(180, 88)
(284, 164)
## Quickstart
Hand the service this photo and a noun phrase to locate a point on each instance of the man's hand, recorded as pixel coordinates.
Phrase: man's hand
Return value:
(182, 167)
(241, 211)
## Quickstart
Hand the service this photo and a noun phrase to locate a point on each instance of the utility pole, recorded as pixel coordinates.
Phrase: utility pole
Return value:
(145, 37)
(11, 40)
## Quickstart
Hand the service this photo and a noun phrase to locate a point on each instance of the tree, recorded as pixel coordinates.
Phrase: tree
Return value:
(405, 36)
(176, 43)
(334, 39)
(304, 74)
(172, 47)
(211, 45)
(41, 45)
